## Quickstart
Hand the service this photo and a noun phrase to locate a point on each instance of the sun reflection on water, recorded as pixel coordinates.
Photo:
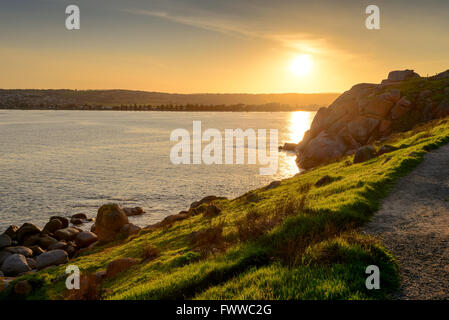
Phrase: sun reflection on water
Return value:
(300, 122)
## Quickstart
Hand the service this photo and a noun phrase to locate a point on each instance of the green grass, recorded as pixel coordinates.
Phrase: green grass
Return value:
(306, 242)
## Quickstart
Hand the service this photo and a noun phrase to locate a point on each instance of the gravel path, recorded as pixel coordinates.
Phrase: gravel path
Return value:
(414, 224)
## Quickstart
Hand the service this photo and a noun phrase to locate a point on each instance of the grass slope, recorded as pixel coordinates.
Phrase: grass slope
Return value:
(294, 241)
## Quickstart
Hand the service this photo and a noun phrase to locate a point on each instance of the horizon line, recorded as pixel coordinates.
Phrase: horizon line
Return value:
(176, 93)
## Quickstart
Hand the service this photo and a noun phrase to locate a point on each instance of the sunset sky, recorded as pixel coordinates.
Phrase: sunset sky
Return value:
(228, 46)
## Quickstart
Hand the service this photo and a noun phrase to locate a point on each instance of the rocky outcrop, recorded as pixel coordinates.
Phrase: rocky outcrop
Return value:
(368, 112)
(402, 75)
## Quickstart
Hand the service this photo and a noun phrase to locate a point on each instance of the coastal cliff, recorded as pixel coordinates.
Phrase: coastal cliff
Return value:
(370, 112)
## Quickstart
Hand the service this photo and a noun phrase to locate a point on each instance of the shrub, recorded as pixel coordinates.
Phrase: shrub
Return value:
(254, 223)
(210, 240)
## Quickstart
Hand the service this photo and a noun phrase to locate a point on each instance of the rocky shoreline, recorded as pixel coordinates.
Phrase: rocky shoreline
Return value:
(29, 248)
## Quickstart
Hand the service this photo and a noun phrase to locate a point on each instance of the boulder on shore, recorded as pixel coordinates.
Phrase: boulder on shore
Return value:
(136, 211)
(58, 245)
(25, 230)
(3, 255)
(76, 221)
(85, 239)
(36, 250)
(32, 263)
(110, 219)
(25, 251)
(82, 216)
(46, 241)
(67, 234)
(64, 221)
(52, 258)
(11, 232)
(52, 226)
(15, 265)
(5, 241)
(288, 146)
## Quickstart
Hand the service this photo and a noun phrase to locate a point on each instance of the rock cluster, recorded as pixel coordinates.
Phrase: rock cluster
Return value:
(30, 248)
(368, 112)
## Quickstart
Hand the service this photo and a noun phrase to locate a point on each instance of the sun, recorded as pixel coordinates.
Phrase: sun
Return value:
(301, 65)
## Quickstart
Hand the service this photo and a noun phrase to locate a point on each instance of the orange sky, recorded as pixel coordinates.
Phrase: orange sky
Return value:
(217, 46)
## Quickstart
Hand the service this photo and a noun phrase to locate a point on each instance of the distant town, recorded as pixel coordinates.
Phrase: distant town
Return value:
(127, 100)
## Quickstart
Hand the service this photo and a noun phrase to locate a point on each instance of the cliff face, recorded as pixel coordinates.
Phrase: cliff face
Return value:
(368, 112)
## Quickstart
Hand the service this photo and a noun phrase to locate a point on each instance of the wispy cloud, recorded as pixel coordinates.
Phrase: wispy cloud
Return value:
(300, 42)
(210, 23)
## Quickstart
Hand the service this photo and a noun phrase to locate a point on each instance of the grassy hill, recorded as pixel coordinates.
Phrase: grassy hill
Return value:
(294, 241)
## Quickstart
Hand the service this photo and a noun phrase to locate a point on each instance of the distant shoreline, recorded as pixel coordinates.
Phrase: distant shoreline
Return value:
(128, 100)
(174, 109)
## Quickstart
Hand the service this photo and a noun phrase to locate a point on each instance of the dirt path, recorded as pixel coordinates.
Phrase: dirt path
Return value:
(414, 224)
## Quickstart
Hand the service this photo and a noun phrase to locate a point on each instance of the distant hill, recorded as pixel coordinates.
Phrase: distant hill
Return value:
(22, 98)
